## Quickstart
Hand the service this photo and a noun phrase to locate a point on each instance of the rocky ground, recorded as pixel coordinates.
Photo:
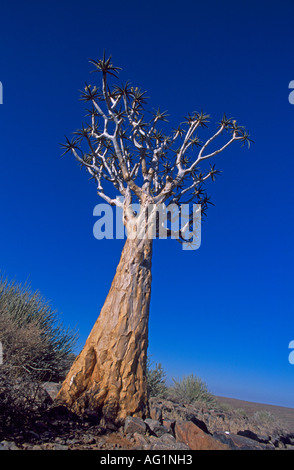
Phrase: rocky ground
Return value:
(171, 426)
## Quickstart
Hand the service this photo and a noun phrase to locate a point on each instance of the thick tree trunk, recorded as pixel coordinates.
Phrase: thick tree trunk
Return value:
(109, 375)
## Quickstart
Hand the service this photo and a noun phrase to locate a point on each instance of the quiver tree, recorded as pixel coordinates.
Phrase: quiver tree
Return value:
(123, 146)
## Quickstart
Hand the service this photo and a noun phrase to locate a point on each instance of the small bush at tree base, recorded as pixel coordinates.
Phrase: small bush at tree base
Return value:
(189, 390)
(156, 380)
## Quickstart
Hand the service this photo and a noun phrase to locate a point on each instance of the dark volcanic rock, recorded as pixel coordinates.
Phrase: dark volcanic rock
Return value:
(172, 426)
(237, 442)
(134, 424)
(156, 428)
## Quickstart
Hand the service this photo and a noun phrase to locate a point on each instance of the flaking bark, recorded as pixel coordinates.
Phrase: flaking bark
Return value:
(109, 375)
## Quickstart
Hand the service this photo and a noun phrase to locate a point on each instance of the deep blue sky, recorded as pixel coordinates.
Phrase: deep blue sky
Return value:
(226, 311)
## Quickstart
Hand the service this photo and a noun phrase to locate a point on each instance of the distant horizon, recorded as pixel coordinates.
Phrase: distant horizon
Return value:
(256, 402)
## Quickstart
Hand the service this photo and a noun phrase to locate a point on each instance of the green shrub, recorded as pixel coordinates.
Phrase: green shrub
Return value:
(189, 390)
(36, 348)
(33, 339)
(156, 380)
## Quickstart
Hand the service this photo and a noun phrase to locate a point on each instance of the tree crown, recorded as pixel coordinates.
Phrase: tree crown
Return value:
(124, 146)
